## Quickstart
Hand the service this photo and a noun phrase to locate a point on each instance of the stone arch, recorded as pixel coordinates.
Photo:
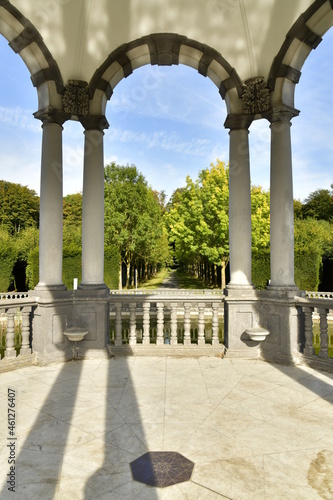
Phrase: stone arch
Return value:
(304, 36)
(24, 39)
(164, 49)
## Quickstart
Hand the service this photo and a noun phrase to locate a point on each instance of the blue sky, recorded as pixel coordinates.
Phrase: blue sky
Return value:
(168, 121)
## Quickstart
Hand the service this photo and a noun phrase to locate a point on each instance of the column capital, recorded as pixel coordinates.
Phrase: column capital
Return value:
(238, 122)
(94, 122)
(51, 115)
(282, 113)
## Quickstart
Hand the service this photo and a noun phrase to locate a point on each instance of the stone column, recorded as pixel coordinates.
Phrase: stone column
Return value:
(51, 202)
(93, 206)
(281, 205)
(239, 202)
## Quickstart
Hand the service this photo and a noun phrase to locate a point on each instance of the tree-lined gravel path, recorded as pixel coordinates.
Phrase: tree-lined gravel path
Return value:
(170, 281)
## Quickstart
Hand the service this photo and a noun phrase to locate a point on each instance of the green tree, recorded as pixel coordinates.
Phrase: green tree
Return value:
(214, 191)
(260, 218)
(197, 219)
(312, 234)
(319, 205)
(133, 216)
(72, 209)
(298, 209)
(19, 207)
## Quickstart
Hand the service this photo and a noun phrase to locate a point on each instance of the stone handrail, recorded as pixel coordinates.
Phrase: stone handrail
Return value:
(168, 292)
(13, 295)
(319, 295)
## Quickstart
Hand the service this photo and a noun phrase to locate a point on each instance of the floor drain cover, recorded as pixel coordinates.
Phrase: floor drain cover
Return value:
(161, 468)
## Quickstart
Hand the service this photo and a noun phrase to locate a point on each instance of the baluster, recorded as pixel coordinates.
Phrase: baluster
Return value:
(201, 324)
(25, 346)
(187, 323)
(10, 336)
(308, 348)
(146, 323)
(323, 353)
(160, 323)
(173, 322)
(119, 336)
(132, 337)
(215, 324)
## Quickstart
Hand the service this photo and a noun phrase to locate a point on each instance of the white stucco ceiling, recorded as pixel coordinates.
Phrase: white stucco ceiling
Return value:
(80, 34)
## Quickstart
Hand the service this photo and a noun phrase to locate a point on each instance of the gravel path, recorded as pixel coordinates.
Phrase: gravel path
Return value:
(171, 281)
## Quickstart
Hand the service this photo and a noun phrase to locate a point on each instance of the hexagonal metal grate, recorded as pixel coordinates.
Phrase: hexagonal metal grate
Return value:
(161, 468)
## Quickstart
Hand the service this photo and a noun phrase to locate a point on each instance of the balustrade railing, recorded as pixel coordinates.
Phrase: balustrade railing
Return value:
(316, 336)
(174, 317)
(166, 317)
(15, 324)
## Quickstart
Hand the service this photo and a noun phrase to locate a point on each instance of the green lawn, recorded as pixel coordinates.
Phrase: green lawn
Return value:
(189, 281)
(156, 281)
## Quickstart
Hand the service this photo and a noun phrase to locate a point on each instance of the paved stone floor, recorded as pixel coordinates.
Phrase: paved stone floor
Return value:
(253, 430)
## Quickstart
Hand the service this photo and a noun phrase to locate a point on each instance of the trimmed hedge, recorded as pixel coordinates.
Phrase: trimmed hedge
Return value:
(307, 268)
(71, 268)
(261, 271)
(32, 269)
(8, 256)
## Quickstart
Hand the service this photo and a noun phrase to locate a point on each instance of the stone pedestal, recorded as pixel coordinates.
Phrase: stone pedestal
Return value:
(271, 310)
(91, 312)
(278, 313)
(241, 312)
(51, 317)
(59, 310)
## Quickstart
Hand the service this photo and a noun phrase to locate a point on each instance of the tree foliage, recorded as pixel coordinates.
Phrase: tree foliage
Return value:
(19, 207)
(260, 218)
(8, 256)
(72, 209)
(198, 219)
(319, 205)
(133, 218)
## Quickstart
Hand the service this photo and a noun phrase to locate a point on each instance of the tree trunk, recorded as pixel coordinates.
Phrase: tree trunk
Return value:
(223, 275)
(128, 270)
(120, 285)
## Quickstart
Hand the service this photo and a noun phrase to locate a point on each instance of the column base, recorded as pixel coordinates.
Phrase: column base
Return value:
(43, 287)
(282, 288)
(240, 286)
(92, 286)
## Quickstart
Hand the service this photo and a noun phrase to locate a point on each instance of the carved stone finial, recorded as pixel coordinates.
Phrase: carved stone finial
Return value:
(255, 96)
(76, 98)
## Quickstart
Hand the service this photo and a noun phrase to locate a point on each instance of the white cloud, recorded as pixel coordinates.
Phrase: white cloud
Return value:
(19, 118)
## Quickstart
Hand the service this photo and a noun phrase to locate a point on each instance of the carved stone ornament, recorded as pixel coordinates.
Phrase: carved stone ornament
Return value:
(76, 98)
(255, 96)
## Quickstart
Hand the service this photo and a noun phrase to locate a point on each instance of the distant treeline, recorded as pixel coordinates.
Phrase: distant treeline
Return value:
(143, 232)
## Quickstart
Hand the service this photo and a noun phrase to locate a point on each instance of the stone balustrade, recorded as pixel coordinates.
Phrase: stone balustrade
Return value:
(319, 295)
(16, 311)
(166, 317)
(317, 346)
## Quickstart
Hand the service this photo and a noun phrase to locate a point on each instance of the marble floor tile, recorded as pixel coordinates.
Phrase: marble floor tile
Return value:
(220, 477)
(253, 430)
